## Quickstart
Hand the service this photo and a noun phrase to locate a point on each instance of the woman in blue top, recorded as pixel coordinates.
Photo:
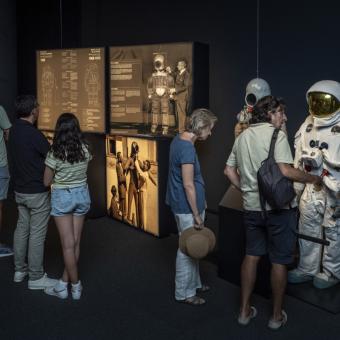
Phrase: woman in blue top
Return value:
(186, 197)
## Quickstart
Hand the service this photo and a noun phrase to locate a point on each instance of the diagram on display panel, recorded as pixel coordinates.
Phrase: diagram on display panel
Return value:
(92, 84)
(151, 87)
(132, 181)
(72, 80)
(49, 86)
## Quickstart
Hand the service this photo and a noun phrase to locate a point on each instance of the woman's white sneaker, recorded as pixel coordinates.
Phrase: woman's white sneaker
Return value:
(59, 290)
(76, 290)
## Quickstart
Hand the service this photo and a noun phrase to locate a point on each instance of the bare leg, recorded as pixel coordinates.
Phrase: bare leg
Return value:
(65, 228)
(248, 278)
(78, 223)
(278, 283)
(124, 208)
(130, 196)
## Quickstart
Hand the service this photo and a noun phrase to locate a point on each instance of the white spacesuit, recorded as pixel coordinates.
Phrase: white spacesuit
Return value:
(318, 152)
(160, 89)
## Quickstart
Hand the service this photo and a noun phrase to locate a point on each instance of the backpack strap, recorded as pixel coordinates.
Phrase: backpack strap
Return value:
(272, 143)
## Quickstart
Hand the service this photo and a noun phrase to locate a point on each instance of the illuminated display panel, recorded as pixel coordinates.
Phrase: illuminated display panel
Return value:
(132, 181)
(148, 88)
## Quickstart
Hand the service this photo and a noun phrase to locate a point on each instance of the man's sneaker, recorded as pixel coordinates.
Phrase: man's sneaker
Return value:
(298, 276)
(276, 324)
(76, 290)
(322, 281)
(19, 276)
(42, 283)
(59, 290)
(5, 250)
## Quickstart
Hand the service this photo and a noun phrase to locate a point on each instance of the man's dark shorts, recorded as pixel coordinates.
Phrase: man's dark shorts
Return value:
(274, 234)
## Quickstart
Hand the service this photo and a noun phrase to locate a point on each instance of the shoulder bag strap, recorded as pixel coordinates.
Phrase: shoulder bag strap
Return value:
(272, 143)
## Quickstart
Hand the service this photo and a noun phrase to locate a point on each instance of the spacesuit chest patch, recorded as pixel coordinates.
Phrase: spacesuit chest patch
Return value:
(335, 129)
(309, 127)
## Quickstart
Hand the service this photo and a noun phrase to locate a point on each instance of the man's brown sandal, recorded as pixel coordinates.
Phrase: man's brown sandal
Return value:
(193, 301)
(203, 289)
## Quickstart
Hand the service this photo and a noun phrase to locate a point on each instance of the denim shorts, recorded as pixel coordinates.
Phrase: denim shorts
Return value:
(274, 235)
(71, 201)
(4, 181)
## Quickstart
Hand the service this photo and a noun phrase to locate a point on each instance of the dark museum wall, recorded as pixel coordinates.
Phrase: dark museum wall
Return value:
(8, 54)
(298, 46)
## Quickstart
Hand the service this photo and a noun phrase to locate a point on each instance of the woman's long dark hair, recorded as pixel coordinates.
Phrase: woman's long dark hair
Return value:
(68, 142)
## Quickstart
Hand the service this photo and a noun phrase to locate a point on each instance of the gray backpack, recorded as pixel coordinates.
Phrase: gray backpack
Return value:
(274, 188)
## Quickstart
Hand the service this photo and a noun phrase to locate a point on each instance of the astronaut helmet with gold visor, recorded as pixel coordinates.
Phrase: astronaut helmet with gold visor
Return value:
(323, 98)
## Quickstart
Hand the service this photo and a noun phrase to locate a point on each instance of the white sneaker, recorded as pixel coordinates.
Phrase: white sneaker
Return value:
(19, 276)
(42, 283)
(59, 290)
(76, 290)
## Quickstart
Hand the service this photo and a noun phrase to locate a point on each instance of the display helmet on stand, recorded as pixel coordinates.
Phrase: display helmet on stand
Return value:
(256, 89)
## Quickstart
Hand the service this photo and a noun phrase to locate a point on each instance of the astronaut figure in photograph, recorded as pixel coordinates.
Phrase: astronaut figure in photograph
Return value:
(317, 144)
(160, 88)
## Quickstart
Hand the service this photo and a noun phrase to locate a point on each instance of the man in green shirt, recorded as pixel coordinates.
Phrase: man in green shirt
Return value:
(4, 173)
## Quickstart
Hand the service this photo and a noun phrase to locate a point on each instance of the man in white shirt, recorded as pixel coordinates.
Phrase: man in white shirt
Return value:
(273, 232)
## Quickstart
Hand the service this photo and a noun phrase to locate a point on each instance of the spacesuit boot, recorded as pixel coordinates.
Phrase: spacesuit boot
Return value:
(165, 130)
(298, 276)
(325, 280)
